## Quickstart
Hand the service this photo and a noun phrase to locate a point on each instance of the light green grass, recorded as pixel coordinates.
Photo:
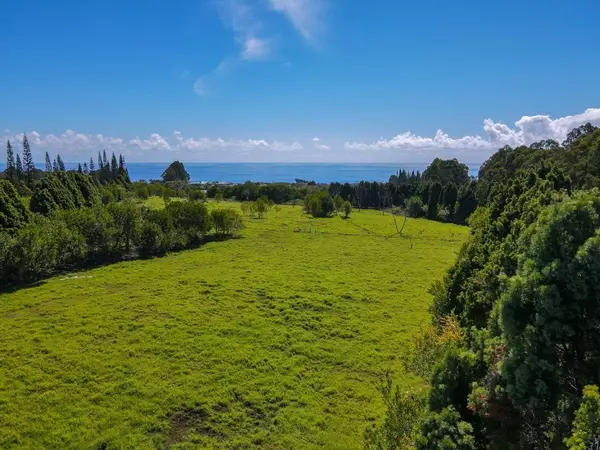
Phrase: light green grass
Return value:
(274, 340)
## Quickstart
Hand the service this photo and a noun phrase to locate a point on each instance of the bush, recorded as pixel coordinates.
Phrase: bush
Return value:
(150, 239)
(319, 204)
(191, 218)
(445, 431)
(414, 207)
(196, 195)
(226, 221)
(347, 206)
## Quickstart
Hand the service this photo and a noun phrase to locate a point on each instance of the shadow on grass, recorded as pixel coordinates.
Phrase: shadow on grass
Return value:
(6, 288)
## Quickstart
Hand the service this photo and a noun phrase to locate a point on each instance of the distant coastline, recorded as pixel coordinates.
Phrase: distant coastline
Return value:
(276, 172)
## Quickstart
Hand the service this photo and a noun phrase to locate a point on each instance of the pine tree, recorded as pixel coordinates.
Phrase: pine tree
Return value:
(114, 168)
(19, 167)
(105, 163)
(28, 166)
(55, 165)
(92, 166)
(79, 168)
(100, 166)
(85, 169)
(10, 160)
(48, 163)
(121, 164)
(61, 164)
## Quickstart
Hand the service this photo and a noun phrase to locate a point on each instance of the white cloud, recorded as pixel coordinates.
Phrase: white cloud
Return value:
(233, 144)
(6, 130)
(529, 129)
(317, 143)
(305, 16)
(156, 142)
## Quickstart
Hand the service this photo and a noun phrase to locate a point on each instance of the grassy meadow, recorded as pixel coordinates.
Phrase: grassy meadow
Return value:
(277, 339)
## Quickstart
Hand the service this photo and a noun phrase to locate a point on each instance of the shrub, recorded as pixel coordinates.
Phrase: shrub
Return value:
(226, 221)
(319, 204)
(445, 431)
(150, 240)
(347, 206)
(414, 207)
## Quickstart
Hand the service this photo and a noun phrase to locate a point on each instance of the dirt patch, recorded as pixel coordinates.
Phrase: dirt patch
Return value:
(195, 420)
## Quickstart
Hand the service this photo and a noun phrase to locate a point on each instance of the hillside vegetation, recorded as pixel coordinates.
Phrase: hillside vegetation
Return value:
(277, 339)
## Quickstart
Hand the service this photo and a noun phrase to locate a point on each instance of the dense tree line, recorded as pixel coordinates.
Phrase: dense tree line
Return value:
(523, 300)
(66, 239)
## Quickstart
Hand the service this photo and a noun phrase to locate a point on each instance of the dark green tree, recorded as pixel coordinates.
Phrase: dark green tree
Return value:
(114, 167)
(60, 163)
(28, 166)
(48, 165)
(19, 168)
(435, 192)
(10, 161)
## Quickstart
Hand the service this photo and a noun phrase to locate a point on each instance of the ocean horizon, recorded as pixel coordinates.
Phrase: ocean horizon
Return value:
(275, 172)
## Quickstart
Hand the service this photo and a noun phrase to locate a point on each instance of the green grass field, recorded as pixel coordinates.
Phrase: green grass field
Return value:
(275, 340)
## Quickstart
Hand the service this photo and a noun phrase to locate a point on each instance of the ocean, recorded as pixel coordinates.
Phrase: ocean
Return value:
(274, 172)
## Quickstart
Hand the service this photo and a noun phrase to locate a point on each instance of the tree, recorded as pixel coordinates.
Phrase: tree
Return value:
(10, 161)
(114, 167)
(175, 172)
(445, 431)
(446, 171)
(219, 196)
(319, 204)
(226, 221)
(86, 170)
(434, 197)
(586, 426)
(55, 166)
(48, 166)
(347, 207)
(414, 207)
(79, 168)
(60, 163)
(28, 166)
(339, 201)
(19, 167)
(92, 166)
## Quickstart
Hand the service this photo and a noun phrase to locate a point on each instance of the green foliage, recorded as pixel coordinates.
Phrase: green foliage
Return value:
(13, 213)
(586, 426)
(196, 195)
(403, 411)
(347, 207)
(435, 192)
(319, 204)
(445, 431)
(175, 172)
(63, 190)
(226, 222)
(445, 171)
(414, 207)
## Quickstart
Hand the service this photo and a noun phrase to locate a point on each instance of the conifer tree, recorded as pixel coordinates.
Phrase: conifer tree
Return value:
(19, 168)
(121, 164)
(79, 168)
(10, 160)
(85, 169)
(55, 165)
(28, 166)
(105, 163)
(61, 164)
(48, 163)
(100, 166)
(92, 166)
(114, 168)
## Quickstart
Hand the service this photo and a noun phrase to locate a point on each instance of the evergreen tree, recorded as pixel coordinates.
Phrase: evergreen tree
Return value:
(28, 166)
(10, 160)
(105, 163)
(85, 169)
(55, 165)
(92, 166)
(100, 166)
(121, 164)
(61, 164)
(19, 168)
(79, 168)
(48, 167)
(114, 168)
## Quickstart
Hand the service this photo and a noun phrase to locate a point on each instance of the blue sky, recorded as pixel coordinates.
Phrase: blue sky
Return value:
(296, 80)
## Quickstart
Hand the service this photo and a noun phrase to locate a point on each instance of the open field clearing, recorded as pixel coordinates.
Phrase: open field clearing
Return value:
(277, 339)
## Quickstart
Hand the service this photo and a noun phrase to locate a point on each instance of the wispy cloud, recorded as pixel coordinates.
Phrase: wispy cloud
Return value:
(305, 15)
(317, 143)
(256, 48)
